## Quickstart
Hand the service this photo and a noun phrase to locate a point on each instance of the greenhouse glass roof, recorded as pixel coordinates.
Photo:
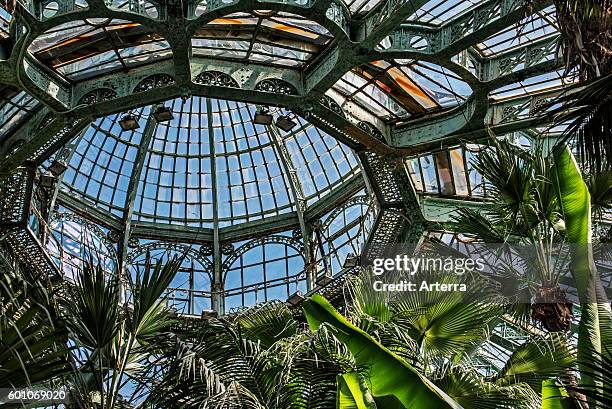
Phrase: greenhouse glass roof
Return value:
(275, 148)
(376, 111)
(178, 183)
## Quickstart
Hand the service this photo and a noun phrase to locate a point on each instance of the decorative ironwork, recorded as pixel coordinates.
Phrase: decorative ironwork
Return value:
(227, 249)
(98, 95)
(69, 129)
(206, 249)
(288, 241)
(388, 226)
(276, 86)
(47, 119)
(114, 236)
(107, 239)
(332, 105)
(382, 174)
(296, 234)
(371, 129)
(177, 247)
(353, 201)
(28, 250)
(133, 242)
(216, 78)
(154, 81)
(15, 196)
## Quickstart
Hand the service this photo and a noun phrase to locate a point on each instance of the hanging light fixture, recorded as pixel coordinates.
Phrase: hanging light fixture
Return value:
(58, 167)
(296, 298)
(128, 122)
(262, 117)
(351, 261)
(163, 114)
(286, 123)
(47, 180)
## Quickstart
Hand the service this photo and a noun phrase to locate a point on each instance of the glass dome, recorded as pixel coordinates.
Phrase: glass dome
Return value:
(209, 158)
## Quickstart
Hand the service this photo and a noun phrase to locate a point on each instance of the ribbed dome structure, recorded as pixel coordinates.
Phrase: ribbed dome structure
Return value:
(210, 161)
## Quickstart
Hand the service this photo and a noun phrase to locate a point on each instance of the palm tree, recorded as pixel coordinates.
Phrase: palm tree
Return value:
(586, 46)
(264, 357)
(527, 214)
(258, 358)
(112, 340)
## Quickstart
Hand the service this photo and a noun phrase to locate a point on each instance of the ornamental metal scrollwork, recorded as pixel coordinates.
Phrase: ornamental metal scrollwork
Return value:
(97, 95)
(216, 78)
(363, 200)
(15, 193)
(133, 242)
(90, 227)
(273, 239)
(371, 129)
(329, 103)
(177, 247)
(227, 249)
(276, 86)
(114, 236)
(296, 234)
(206, 249)
(154, 81)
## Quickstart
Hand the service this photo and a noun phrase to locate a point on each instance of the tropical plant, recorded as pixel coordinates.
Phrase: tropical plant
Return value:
(595, 331)
(586, 49)
(599, 371)
(527, 214)
(32, 337)
(112, 338)
(259, 358)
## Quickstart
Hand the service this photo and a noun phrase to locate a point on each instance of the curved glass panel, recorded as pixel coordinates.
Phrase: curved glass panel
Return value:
(81, 49)
(209, 163)
(73, 241)
(190, 289)
(538, 26)
(262, 270)
(438, 12)
(101, 164)
(447, 173)
(274, 38)
(401, 89)
(15, 106)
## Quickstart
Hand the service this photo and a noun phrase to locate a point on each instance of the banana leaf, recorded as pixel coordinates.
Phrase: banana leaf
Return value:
(392, 381)
(353, 392)
(596, 319)
(555, 397)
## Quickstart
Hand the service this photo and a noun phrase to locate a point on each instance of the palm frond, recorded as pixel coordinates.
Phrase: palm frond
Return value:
(266, 323)
(470, 390)
(538, 359)
(93, 307)
(32, 349)
(149, 316)
(599, 389)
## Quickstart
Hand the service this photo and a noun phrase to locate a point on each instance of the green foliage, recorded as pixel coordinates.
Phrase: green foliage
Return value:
(267, 323)
(554, 396)
(539, 359)
(470, 390)
(389, 376)
(353, 392)
(31, 334)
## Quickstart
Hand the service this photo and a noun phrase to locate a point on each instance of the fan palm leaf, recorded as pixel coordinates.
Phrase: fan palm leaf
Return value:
(536, 360)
